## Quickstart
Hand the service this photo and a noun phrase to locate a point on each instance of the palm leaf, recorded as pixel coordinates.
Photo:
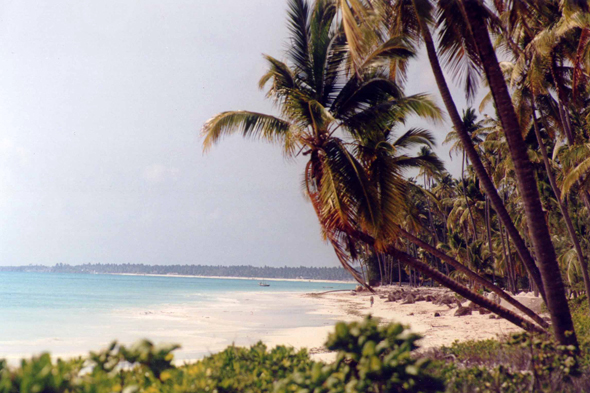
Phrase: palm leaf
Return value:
(396, 48)
(576, 175)
(298, 25)
(357, 95)
(415, 136)
(320, 41)
(250, 124)
(352, 184)
(457, 48)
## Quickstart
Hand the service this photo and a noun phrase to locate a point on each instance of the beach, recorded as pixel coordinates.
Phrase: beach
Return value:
(420, 317)
(72, 314)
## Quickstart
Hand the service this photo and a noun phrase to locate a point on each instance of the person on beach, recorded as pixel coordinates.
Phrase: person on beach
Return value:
(372, 301)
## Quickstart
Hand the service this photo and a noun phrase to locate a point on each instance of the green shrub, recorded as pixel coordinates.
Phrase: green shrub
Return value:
(148, 368)
(371, 359)
(523, 363)
(581, 318)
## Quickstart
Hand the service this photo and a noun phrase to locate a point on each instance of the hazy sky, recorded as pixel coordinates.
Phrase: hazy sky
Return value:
(101, 103)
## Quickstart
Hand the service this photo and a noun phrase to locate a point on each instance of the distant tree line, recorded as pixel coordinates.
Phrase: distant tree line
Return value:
(302, 272)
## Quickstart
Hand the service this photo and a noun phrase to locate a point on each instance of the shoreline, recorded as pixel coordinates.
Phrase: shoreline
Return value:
(436, 331)
(231, 278)
(290, 318)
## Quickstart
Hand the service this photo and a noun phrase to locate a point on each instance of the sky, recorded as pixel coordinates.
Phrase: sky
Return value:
(101, 104)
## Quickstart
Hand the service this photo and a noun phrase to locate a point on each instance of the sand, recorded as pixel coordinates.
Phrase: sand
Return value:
(234, 278)
(436, 331)
(286, 318)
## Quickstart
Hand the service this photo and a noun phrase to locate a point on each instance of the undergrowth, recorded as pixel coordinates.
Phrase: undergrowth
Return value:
(370, 358)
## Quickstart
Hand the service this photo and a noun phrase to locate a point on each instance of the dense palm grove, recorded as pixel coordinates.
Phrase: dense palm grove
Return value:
(301, 272)
(517, 217)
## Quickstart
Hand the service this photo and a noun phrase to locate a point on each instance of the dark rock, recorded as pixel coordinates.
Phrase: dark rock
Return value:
(462, 311)
(473, 306)
(393, 297)
(437, 314)
(409, 299)
(483, 311)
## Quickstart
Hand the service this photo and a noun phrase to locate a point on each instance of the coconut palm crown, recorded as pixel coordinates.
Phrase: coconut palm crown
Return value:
(344, 120)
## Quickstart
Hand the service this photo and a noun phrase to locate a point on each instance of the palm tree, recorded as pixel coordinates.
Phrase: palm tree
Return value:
(554, 289)
(319, 100)
(412, 19)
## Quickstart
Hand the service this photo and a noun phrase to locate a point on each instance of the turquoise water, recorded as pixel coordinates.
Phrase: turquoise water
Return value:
(69, 314)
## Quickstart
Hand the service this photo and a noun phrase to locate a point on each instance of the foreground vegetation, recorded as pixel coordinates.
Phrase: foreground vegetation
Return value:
(370, 358)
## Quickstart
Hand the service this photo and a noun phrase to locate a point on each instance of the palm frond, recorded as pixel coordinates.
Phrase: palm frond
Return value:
(298, 25)
(282, 76)
(250, 124)
(320, 40)
(457, 48)
(576, 175)
(358, 34)
(422, 105)
(396, 48)
(358, 95)
(352, 184)
(415, 136)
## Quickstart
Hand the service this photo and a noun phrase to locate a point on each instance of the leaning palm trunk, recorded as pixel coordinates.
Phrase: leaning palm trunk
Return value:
(463, 182)
(562, 208)
(556, 301)
(465, 292)
(452, 285)
(489, 233)
(474, 276)
(476, 163)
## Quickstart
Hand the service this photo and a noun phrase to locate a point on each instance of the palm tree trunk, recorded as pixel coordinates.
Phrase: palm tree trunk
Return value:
(467, 249)
(473, 276)
(464, 159)
(489, 230)
(507, 271)
(380, 268)
(562, 208)
(511, 267)
(552, 282)
(561, 101)
(476, 163)
(465, 292)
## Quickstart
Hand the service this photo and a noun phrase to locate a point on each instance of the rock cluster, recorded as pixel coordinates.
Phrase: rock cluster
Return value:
(410, 296)
(435, 296)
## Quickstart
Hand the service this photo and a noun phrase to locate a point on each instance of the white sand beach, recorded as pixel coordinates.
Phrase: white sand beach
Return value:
(420, 316)
(243, 318)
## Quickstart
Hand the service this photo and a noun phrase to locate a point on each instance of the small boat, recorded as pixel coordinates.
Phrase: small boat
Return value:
(263, 284)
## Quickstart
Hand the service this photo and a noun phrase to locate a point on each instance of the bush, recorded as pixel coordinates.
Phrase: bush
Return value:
(148, 368)
(370, 359)
(523, 363)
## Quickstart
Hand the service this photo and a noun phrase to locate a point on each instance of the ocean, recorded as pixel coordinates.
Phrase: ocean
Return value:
(71, 314)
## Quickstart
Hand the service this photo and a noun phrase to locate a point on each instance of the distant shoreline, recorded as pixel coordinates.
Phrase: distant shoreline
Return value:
(193, 276)
(231, 277)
